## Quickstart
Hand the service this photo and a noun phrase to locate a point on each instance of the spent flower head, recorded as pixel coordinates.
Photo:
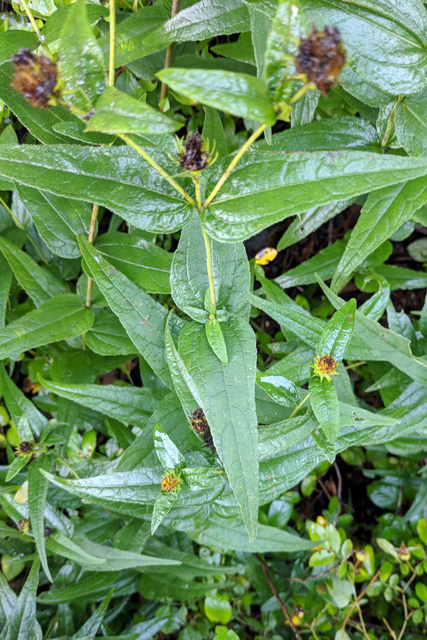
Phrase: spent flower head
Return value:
(201, 426)
(36, 77)
(324, 366)
(321, 57)
(194, 153)
(25, 448)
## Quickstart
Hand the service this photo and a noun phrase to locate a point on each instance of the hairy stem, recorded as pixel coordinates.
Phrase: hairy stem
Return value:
(168, 60)
(90, 238)
(112, 59)
(233, 163)
(158, 168)
(34, 24)
(298, 407)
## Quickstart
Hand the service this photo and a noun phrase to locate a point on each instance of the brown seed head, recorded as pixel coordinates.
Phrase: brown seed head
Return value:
(36, 77)
(25, 448)
(170, 483)
(321, 58)
(194, 156)
(201, 426)
(24, 525)
(324, 367)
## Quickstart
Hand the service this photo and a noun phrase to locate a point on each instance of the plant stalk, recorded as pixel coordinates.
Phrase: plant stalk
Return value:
(112, 59)
(158, 168)
(91, 237)
(34, 25)
(206, 238)
(168, 60)
(233, 163)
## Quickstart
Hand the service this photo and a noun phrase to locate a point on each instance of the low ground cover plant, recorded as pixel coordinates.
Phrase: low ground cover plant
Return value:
(213, 333)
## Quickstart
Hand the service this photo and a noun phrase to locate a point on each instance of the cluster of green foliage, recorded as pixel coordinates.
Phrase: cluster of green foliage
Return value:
(146, 506)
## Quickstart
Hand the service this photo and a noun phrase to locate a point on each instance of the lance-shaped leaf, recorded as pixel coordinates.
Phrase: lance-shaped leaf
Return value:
(168, 453)
(324, 402)
(117, 178)
(12, 41)
(132, 405)
(236, 93)
(19, 406)
(17, 465)
(60, 318)
(37, 494)
(216, 339)
(22, 622)
(410, 121)
(394, 59)
(383, 213)
(5, 284)
(232, 420)
(183, 383)
(163, 504)
(376, 305)
(268, 186)
(81, 61)
(40, 284)
(108, 337)
(117, 112)
(204, 20)
(143, 318)
(338, 332)
(189, 274)
(57, 219)
(91, 626)
(8, 600)
(278, 388)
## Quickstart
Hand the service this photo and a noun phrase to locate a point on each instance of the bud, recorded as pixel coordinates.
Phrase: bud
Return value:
(171, 482)
(25, 448)
(201, 426)
(24, 525)
(324, 366)
(322, 521)
(36, 77)
(321, 58)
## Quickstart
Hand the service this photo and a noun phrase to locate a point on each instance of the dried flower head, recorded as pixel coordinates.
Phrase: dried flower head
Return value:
(25, 448)
(24, 525)
(321, 58)
(201, 426)
(324, 366)
(36, 77)
(194, 153)
(171, 482)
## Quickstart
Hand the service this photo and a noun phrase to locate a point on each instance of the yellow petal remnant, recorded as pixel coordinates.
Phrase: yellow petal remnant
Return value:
(324, 366)
(171, 482)
(265, 256)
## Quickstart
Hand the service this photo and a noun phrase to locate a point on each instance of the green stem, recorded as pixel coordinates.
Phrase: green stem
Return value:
(68, 467)
(21, 226)
(206, 238)
(233, 163)
(112, 59)
(298, 407)
(34, 24)
(158, 168)
(91, 237)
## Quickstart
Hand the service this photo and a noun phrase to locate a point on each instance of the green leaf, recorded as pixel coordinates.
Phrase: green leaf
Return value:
(323, 263)
(183, 383)
(267, 186)
(338, 332)
(218, 610)
(116, 178)
(19, 406)
(310, 221)
(95, 586)
(116, 112)
(230, 533)
(276, 438)
(169, 455)
(143, 318)
(189, 274)
(216, 339)
(132, 405)
(327, 135)
(213, 131)
(59, 543)
(163, 504)
(57, 220)
(421, 591)
(37, 494)
(91, 626)
(222, 388)
(236, 93)
(81, 61)
(8, 600)
(382, 214)
(410, 121)
(55, 23)
(38, 282)
(203, 20)
(22, 623)
(77, 131)
(38, 121)
(16, 466)
(12, 41)
(143, 262)
(422, 530)
(374, 307)
(324, 402)
(385, 42)
(5, 284)
(396, 277)
(107, 337)
(278, 388)
(59, 318)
